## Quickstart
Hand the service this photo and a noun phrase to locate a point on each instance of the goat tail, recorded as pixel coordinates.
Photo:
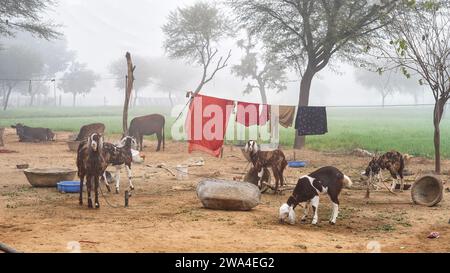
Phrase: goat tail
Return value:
(347, 181)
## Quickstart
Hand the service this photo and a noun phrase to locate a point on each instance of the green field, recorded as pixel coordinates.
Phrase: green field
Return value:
(408, 130)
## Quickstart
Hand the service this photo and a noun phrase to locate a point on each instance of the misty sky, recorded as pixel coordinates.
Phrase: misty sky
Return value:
(101, 31)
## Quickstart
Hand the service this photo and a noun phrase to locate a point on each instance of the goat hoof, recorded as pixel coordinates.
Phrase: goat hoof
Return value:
(332, 223)
(97, 206)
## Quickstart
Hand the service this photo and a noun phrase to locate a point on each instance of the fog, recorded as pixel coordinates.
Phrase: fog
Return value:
(102, 31)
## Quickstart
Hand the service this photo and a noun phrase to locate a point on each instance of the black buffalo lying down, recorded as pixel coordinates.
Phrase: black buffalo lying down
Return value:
(28, 134)
(147, 126)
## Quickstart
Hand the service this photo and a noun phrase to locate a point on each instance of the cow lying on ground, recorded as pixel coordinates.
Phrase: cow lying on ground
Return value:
(87, 130)
(147, 126)
(29, 134)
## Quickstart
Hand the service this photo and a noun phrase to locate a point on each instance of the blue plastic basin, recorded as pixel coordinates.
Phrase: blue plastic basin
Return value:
(297, 164)
(69, 186)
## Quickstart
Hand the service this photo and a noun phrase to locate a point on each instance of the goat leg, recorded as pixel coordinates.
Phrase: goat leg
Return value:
(81, 190)
(96, 185)
(89, 191)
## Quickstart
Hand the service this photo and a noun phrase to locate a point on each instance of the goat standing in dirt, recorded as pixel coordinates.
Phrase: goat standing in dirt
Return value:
(392, 161)
(327, 180)
(91, 165)
(119, 155)
(265, 159)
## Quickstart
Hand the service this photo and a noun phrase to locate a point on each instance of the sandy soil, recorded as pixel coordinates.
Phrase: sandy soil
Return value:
(166, 216)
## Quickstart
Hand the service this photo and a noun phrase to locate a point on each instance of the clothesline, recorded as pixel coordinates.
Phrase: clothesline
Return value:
(333, 106)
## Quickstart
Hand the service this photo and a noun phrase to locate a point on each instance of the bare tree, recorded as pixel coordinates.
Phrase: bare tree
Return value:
(419, 44)
(78, 80)
(192, 34)
(143, 74)
(26, 15)
(381, 82)
(264, 72)
(18, 65)
(309, 33)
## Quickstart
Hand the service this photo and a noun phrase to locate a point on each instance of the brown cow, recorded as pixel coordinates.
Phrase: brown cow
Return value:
(87, 130)
(147, 126)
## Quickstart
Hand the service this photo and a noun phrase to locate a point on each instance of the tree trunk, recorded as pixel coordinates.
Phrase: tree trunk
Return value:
(305, 89)
(262, 91)
(74, 100)
(438, 113)
(383, 100)
(416, 98)
(8, 94)
(128, 90)
(170, 99)
(135, 98)
(32, 99)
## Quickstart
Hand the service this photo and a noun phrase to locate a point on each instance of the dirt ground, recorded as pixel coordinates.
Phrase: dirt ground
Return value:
(166, 216)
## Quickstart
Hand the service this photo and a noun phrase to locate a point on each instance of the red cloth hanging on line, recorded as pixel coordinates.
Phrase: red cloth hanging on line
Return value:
(249, 114)
(206, 124)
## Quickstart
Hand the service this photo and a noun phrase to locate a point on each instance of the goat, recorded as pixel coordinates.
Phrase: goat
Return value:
(91, 165)
(262, 159)
(119, 155)
(327, 180)
(392, 161)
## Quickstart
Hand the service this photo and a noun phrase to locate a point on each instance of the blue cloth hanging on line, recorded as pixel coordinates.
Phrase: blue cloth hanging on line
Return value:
(311, 121)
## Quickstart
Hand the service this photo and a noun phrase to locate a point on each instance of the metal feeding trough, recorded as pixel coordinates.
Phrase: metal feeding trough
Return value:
(49, 177)
(427, 191)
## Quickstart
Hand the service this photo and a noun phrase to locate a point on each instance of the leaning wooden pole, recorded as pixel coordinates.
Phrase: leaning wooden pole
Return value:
(128, 90)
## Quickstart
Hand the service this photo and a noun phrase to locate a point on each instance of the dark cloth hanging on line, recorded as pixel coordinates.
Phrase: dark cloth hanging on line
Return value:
(250, 114)
(311, 121)
(205, 130)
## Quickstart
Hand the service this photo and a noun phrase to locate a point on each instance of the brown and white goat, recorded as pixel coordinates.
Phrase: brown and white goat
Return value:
(275, 160)
(392, 161)
(91, 165)
(327, 180)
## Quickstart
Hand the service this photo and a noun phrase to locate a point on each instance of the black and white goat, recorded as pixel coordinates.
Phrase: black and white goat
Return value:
(327, 180)
(118, 156)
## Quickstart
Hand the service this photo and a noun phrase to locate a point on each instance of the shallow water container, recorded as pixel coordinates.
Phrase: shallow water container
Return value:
(69, 186)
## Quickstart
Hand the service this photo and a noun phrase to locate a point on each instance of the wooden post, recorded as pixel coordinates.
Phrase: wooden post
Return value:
(369, 183)
(2, 130)
(128, 90)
